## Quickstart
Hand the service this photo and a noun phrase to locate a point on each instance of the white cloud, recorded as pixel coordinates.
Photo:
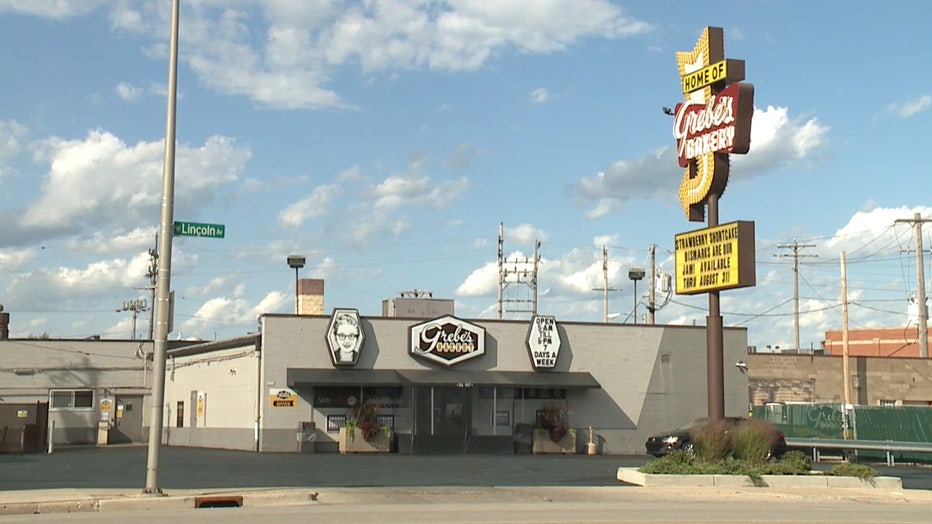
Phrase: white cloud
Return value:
(58, 9)
(11, 135)
(523, 234)
(413, 191)
(480, 282)
(12, 259)
(232, 311)
(539, 96)
(288, 61)
(909, 108)
(100, 243)
(100, 182)
(128, 92)
(314, 205)
(777, 142)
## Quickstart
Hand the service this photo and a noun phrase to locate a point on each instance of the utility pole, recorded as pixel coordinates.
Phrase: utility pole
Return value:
(151, 275)
(651, 307)
(135, 306)
(795, 246)
(605, 289)
(501, 262)
(844, 333)
(845, 367)
(917, 221)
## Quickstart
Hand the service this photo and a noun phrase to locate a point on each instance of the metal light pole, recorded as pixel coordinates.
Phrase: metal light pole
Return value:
(296, 262)
(163, 285)
(636, 274)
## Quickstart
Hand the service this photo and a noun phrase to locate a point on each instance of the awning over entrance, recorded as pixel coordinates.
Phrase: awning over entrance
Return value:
(342, 377)
(514, 379)
(439, 377)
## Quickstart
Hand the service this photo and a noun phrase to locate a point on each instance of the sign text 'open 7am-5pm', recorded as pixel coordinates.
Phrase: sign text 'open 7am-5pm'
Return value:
(196, 229)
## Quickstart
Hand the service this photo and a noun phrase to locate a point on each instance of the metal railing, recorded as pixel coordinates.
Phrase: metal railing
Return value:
(888, 446)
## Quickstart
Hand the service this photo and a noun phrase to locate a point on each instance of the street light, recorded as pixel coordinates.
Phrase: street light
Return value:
(635, 274)
(297, 262)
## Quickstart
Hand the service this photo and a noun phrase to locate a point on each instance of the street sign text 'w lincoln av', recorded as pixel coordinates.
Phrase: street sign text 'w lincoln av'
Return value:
(194, 229)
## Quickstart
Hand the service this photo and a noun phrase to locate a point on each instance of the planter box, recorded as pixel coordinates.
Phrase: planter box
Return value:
(652, 480)
(353, 442)
(542, 443)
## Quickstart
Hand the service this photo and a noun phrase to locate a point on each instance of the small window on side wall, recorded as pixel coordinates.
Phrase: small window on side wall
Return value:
(72, 399)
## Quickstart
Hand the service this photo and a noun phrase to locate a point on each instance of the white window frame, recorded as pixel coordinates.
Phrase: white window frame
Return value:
(71, 404)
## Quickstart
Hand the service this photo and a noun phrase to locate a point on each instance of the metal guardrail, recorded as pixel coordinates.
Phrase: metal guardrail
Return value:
(888, 446)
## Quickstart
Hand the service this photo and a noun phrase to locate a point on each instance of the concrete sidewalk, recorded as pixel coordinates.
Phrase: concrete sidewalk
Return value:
(103, 500)
(92, 500)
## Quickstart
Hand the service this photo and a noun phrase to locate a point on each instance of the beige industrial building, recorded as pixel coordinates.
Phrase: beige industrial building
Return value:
(283, 389)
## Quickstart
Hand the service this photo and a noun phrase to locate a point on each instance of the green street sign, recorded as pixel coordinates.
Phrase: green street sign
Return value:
(195, 229)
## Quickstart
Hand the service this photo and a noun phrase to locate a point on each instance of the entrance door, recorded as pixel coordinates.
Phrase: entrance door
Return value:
(443, 419)
(127, 421)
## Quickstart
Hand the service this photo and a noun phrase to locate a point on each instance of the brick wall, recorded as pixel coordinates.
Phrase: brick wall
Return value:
(818, 378)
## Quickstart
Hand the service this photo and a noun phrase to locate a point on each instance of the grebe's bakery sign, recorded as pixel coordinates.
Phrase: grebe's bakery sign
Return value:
(713, 120)
(446, 340)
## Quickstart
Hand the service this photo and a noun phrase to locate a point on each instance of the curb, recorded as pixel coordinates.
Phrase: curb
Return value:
(68, 501)
(633, 476)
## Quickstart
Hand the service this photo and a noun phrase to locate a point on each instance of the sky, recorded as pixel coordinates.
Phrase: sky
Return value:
(388, 140)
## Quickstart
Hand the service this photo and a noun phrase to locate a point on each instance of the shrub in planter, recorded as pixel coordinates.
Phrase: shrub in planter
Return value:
(753, 440)
(853, 470)
(553, 419)
(363, 417)
(712, 441)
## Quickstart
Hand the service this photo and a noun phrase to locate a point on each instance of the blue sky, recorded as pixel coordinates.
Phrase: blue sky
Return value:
(386, 140)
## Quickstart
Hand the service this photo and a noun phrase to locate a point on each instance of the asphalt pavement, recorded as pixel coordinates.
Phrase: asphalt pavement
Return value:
(395, 488)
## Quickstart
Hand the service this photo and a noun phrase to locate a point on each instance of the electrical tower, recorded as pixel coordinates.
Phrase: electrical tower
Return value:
(514, 276)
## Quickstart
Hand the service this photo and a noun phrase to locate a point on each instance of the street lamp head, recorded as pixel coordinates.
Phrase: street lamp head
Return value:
(636, 273)
(295, 261)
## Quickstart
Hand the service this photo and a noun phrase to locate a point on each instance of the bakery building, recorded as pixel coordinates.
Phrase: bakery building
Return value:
(442, 384)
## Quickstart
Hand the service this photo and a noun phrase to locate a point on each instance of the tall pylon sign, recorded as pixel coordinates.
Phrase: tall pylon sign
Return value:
(712, 121)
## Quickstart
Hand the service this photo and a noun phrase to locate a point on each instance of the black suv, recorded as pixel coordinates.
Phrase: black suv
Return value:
(680, 439)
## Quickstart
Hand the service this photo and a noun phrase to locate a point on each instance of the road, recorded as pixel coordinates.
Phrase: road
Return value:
(392, 488)
(195, 468)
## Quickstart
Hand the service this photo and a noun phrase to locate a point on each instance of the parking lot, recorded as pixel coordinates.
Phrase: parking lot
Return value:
(194, 468)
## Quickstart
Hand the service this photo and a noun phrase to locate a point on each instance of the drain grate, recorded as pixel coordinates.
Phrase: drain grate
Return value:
(218, 501)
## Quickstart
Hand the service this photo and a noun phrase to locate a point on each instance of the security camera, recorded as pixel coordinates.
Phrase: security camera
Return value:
(742, 365)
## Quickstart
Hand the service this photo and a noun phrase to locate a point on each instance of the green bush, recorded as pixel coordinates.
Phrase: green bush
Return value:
(711, 441)
(847, 469)
(680, 463)
(792, 463)
(753, 441)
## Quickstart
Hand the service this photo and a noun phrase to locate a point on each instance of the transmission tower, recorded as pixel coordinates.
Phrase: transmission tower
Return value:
(515, 275)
